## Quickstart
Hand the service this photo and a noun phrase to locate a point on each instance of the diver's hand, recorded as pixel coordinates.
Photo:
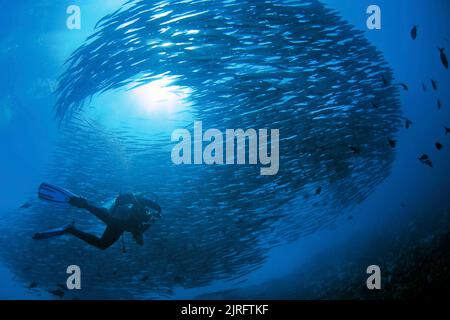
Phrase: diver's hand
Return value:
(78, 202)
(138, 237)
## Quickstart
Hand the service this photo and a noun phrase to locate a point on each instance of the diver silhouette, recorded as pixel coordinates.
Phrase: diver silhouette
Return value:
(129, 213)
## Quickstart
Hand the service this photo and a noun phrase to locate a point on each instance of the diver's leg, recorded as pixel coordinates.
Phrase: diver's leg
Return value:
(109, 237)
(100, 213)
(53, 232)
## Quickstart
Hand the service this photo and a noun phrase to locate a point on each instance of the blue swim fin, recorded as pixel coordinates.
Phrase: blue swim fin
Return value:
(54, 193)
(52, 233)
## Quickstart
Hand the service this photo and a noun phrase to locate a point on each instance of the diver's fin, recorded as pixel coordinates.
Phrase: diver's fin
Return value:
(52, 232)
(54, 193)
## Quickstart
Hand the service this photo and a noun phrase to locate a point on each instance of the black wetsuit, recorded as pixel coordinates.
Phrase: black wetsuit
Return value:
(127, 214)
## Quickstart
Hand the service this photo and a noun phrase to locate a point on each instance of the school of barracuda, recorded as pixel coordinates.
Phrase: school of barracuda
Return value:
(292, 65)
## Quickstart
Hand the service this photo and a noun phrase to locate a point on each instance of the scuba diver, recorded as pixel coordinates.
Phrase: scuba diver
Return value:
(129, 212)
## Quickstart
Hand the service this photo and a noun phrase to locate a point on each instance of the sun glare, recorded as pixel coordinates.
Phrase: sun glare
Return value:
(159, 96)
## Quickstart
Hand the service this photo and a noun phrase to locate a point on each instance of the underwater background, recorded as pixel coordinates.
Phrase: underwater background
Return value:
(93, 110)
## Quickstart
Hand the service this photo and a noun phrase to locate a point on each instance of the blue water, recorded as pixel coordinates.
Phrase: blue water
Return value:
(119, 140)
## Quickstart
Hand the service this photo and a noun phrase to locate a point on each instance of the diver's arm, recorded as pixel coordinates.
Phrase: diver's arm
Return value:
(138, 234)
(139, 238)
(125, 198)
(149, 203)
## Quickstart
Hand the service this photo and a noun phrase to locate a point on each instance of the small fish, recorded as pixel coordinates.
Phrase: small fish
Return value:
(439, 146)
(434, 84)
(180, 279)
(428, 163)
(414, 32)
(144, 278)
(374, 105)
(404, 86)
(392, 143)
(424, 87)
(439, 104)
(447, 130)
(355, 149)
(33, 285)
(61, 286)
(385, 81)
(408, 124)
(57, 292)
(444, 59)
(426, 160)
(26, 205)
(318, 190)
(239, 220)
